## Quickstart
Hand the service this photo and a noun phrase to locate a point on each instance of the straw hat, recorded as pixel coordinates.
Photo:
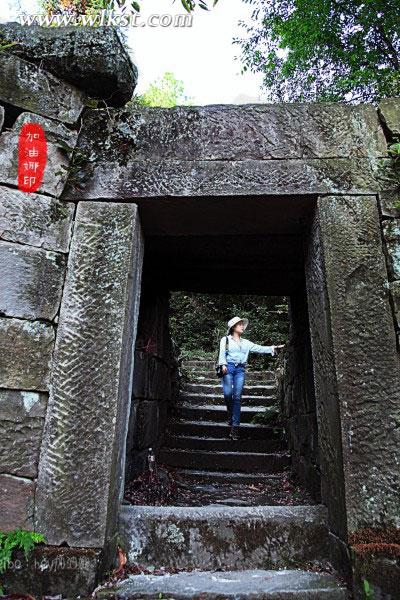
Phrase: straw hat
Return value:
(235, 320)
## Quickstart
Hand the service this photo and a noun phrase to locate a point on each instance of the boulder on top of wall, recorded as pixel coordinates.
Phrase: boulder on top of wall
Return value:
(91, 58)
(27, 86)
(57, 136)
(389, 109)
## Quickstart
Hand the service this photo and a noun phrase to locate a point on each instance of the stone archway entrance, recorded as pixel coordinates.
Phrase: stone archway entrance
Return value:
(317, 168)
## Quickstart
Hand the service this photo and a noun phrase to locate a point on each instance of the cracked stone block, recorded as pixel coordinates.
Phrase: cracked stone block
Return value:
(92, 378)
(27, 86)
(32, 281)
(389, 109)
(93, 59)
(35, 219)
(57, 135)
(26, 354)
(16, 502)
(21, 426)
(356, 364)
(391, 234)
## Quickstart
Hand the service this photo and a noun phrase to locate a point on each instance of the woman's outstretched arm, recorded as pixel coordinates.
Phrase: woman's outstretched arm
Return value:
(262, 349)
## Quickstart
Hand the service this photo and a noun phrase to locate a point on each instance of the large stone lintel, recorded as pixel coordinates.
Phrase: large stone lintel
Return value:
(356, 364)
(138, 179)
(83, 451)
(230, 132)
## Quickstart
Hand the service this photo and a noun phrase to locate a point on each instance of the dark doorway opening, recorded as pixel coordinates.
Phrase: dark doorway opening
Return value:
(218, 245)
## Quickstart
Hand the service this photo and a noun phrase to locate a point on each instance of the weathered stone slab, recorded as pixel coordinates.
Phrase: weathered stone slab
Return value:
(92, 58)
(389, 109)
(232, 132)
(391, 234)
(53, 571)
(232, 178)
(211, 537)
(55, 173)
(16, 502)
(31, 281)
(35, 219)
(27, 86)
(21, 426)
(26, 348)
(92, 378)
(356, 365)
(293, 584)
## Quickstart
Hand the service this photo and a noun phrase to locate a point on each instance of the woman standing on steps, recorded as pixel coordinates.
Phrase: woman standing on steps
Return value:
(233, 354)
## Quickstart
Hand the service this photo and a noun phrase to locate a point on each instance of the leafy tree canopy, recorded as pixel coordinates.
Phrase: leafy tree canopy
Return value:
(88, 6)
(166, 92)
(324, 50)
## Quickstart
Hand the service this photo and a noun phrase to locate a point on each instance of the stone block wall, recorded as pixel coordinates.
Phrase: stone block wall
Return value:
(297, 397)
(47, 306)
(155, 380)
(35, 234)
(390, 210)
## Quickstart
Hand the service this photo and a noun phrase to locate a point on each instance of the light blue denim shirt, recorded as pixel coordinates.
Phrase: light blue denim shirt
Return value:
(238, 352)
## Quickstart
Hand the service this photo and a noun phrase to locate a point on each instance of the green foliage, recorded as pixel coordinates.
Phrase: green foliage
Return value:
(267, 417)
(324, 50)
(368, 592)
(198, 321)
(166, 92)
(89, 7)
(17, 538)
(5, 44)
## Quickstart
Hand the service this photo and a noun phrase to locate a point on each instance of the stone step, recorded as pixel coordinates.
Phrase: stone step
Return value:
(218, 412)
(216, 388)
(224, 445)
(221, 430)
(287, 584)
(263, 376)
(247, 399)
(245, 462)
(205, 364)
(212, 537)
(205, 477)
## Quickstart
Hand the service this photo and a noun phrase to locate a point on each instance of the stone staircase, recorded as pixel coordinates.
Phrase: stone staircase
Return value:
(212, 551)
(197, 441)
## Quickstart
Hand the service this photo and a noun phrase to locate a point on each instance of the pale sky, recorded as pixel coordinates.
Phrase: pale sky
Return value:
(202, 56)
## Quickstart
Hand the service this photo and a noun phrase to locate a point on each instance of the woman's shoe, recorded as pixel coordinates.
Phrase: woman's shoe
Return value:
(234, 434)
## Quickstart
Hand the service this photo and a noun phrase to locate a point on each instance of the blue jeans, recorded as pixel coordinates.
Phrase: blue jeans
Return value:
(232, 385)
